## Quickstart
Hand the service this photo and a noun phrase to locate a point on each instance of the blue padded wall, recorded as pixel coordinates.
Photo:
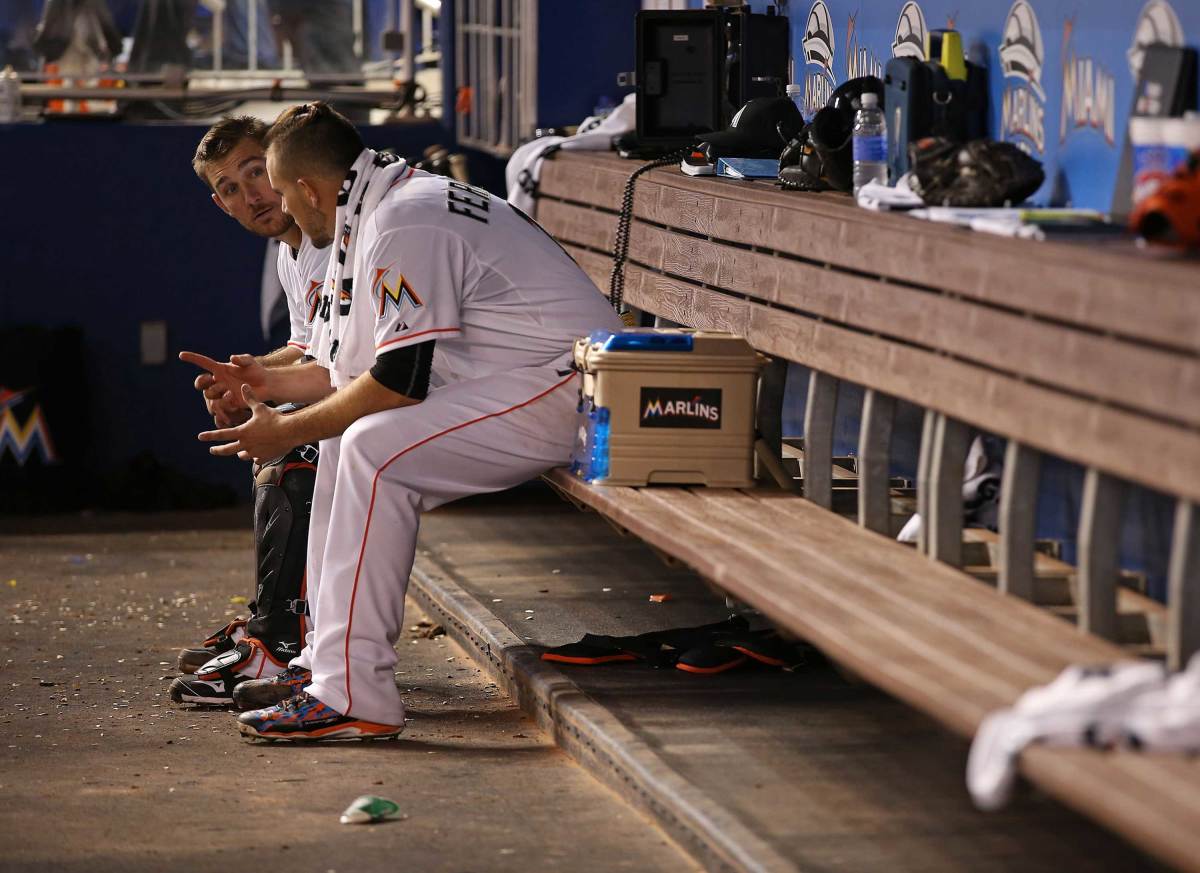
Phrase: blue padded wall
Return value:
(106, 226)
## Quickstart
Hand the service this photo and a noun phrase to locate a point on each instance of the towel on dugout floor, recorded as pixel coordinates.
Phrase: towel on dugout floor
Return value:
(369, 178)
(707, 649)
(524, 168)
(1134, 703)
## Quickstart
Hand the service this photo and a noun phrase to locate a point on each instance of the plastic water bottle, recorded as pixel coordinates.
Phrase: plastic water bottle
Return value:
(870, 143)
(795, 93)
(10, 96)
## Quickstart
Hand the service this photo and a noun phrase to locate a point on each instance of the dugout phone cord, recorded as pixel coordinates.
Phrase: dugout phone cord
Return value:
(616, 283)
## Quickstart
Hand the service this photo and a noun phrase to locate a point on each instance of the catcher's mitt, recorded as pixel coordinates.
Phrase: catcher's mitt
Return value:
(981, 173)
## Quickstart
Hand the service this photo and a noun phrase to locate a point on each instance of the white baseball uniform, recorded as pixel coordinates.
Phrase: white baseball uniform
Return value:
(302, 274)
(435, 260)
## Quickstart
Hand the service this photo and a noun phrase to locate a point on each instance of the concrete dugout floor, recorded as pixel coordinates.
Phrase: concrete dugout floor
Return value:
(99, 771)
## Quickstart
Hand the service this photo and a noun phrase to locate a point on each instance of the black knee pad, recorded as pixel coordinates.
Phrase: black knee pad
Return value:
(283, 491)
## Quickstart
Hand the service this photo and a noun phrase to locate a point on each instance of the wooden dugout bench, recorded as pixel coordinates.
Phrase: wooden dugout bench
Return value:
(1087, 353)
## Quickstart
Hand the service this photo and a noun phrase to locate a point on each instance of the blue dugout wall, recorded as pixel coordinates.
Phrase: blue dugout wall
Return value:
(106, 226)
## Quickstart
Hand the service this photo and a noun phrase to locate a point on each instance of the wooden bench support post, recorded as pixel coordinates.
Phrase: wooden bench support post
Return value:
(1018, 516)
(769, 424)
(924, 472)
(874, 452)
(1099, 531)
(950, 441)
(1183, 586)
(817, 465)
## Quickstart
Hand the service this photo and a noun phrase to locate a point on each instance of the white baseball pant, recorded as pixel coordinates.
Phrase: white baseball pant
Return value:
(372, 485)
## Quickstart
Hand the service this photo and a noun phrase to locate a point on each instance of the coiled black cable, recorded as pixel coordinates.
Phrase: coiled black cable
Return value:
(616, 282)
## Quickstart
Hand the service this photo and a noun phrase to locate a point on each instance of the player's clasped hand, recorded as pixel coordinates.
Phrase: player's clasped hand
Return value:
(261, 438)
(225, 409)
(228, 378)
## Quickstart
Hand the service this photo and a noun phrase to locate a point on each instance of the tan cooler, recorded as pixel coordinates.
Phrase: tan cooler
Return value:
(666, 406)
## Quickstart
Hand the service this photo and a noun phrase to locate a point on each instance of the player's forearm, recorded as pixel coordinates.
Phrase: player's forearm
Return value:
(281, 357)
(301, 383)
(331, 416)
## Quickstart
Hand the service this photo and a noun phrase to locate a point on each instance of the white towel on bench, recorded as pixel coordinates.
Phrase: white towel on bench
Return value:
(1083, 706)
(524, 169)
(1167, 719)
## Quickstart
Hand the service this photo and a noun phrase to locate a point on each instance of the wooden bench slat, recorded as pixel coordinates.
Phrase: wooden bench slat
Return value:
(1038, 636)
(828, 620)
(1162, 383)
(815, 553)
(1151, 801)
(1063, 282)
(598, 267)
(1081, 430)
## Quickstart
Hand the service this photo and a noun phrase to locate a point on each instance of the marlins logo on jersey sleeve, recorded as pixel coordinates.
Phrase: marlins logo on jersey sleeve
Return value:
(416, 283)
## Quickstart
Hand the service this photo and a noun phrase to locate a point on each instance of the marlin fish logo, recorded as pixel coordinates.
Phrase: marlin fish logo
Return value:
(1021, 51)
(1023, 102)
(818, 37)
(1157, 22)
(23, 440)
(909, 41)
(397, 295)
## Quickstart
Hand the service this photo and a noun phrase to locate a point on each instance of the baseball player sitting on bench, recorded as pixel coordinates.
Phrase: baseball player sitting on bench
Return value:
(231, 161)
(442, 368)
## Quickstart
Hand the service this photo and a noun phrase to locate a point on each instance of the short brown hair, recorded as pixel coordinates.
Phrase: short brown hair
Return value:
(315, 138)
(222, 138)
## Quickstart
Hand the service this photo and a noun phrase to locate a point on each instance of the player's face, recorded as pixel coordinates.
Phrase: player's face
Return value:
(241, 189)
(303, 202)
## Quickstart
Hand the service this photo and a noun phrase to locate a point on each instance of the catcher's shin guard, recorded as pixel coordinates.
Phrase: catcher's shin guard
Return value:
(283, 491)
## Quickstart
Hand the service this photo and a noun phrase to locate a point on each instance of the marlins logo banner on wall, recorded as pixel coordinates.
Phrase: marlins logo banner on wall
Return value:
(1088, 93)
(1023, 103)
(1156, 23)
(909, 41)
(818, 56)
(860, 60)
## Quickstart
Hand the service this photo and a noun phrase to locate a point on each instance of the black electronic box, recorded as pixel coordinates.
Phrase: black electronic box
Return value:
(696, 68)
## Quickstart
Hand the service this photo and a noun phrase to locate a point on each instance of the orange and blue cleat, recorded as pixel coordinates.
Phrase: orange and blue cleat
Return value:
(303, 717)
